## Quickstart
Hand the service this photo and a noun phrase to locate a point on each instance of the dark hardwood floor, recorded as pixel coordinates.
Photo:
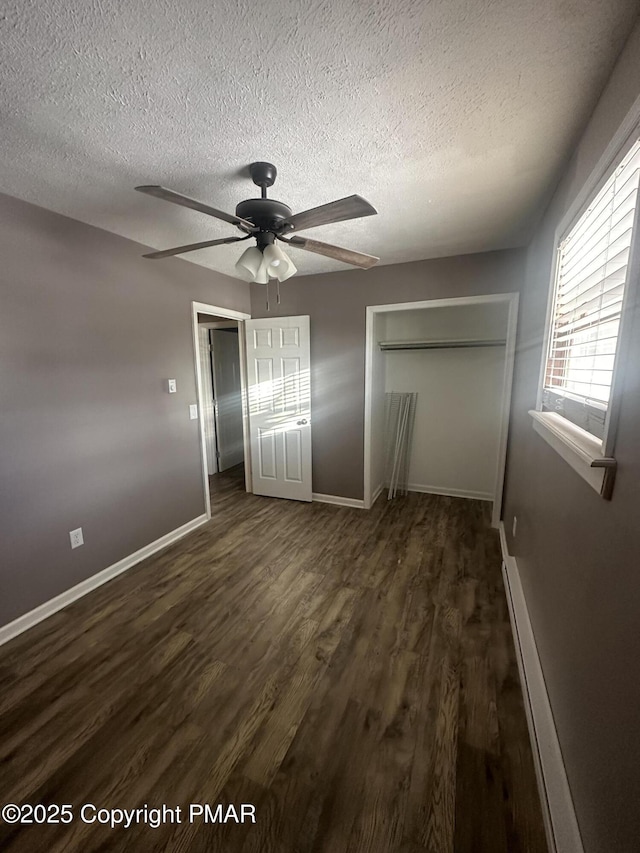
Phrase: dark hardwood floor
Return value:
(349, 673)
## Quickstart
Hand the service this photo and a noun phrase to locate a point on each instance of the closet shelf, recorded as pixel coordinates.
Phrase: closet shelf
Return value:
(443, 344)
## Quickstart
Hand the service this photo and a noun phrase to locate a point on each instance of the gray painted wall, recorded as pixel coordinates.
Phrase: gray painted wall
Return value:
(579, 556)
(88, 435)
(336, 303)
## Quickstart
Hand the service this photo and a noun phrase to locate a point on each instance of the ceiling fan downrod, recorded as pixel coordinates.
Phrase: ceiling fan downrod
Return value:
(263, 175)
(269, 217)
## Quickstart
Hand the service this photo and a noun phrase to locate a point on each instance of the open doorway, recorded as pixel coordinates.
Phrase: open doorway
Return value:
(220, 373)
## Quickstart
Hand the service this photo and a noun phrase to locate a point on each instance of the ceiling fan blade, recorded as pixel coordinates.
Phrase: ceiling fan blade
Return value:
(179, 250)
(351, 207)
(185, 201)
(347, 256)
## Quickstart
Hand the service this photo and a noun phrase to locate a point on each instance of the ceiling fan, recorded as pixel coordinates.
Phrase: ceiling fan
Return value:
(269, 221)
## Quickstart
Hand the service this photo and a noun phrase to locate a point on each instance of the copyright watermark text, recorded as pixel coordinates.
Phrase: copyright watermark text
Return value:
(152, 816)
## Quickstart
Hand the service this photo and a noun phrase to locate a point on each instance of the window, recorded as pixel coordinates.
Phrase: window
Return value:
(592, 272)
(576, 408)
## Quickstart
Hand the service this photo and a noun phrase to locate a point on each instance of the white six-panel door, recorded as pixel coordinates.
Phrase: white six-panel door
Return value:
(278, 367)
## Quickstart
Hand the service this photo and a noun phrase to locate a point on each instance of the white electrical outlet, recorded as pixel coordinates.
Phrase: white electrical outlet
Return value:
(514, 526)
(172, 386)
(193, 412)
(76, 538)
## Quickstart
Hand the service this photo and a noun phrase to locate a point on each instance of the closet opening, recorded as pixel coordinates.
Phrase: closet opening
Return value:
(457, 356)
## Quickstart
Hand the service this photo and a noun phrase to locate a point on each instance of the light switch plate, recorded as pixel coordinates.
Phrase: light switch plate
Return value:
(171, 386)
(193, 412)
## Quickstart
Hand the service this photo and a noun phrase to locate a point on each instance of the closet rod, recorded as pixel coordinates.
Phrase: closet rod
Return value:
(449, 344)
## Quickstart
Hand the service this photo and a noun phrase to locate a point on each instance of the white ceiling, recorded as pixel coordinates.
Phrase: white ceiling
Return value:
(453, 117)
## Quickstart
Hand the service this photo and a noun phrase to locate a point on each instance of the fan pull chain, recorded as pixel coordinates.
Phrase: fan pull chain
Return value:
(268, 308)
(278, 291)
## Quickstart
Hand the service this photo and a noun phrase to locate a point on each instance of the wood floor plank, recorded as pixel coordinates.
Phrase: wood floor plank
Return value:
(350, 673)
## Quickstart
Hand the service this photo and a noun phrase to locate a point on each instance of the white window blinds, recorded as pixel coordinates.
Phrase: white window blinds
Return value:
(591, 278)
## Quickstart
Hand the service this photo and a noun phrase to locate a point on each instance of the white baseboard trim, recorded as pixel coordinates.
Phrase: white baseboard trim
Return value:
(377, 493)
(451, 493)
(561, 825)
(337, 500)
(23, 623)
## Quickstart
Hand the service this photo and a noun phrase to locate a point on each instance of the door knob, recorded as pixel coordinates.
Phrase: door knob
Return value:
(302, 422)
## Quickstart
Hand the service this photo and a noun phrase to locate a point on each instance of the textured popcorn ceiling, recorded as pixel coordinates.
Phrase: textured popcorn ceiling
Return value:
(452, 117)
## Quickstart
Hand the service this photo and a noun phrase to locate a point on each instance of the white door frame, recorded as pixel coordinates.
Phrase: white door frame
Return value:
(510, 299)
(204, 308)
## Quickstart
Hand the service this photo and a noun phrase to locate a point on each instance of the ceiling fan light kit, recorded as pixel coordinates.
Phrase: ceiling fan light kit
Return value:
(268, 220)
(279, 264)
(262, 276)
(249, 263)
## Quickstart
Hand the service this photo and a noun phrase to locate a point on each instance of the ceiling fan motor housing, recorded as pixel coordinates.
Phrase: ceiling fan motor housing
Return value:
(268, 215)
(265, 213)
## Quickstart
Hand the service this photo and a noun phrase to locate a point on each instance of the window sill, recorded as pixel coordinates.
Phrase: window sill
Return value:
(577, 447)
